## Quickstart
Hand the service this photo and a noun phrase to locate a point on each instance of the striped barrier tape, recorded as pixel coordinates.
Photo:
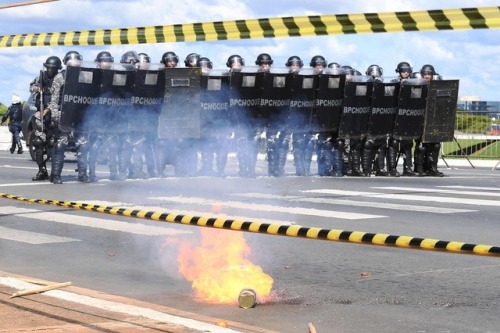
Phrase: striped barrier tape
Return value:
(357, 237)
(296, 26)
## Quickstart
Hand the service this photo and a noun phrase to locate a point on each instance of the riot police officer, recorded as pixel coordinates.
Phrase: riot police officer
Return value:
(72, 58)
(299, 140)
(427, 154)
(277, 145)
(15, 115)
(374, 150)
(244, 127)
(107, 141)
(186, 154)
(169, 59)
(404, 147)
(128, 141)
(165, 147)
(43, 137)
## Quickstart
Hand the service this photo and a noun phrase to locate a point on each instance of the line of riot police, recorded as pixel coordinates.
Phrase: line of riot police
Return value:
(142, 116)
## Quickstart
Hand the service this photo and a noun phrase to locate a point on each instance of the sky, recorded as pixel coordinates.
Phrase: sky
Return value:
(472, 56)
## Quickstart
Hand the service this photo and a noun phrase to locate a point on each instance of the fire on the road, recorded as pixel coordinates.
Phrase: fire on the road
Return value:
(219, 269)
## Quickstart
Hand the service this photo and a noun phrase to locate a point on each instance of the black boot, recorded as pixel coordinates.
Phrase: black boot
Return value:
(337, 163)
(19, 147)
(81, 161)
(407, 165)
(419, 161)
(42, 174)
(355, 161)
(392, 161)
(366, 161)
(57, 163)
(433, 161)
(13, 147)
(298, 161)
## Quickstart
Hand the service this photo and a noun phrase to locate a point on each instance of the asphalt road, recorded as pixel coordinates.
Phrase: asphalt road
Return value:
(339, 287)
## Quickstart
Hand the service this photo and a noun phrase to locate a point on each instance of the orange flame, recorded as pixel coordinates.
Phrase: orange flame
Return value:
(218, 267)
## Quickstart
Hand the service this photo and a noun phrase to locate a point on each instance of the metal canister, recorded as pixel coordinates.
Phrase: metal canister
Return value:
(247, 298)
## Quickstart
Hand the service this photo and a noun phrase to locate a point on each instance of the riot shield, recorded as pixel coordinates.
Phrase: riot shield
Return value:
(147, 98)
(302, 86)
(244, 96)
(81, 89)
(274, 97)
(411, 109)
(356, 108)
(384, 106)
(214, 100)
(440, 114)
(329, 100)
(112, 111)
(180, 113)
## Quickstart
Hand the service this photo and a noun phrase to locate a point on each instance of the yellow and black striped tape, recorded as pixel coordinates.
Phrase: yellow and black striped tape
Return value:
(278, 229)
(296, 26)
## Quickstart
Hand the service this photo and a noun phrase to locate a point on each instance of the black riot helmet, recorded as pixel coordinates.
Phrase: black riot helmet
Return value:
(427, 69)
(104, 56)
(144, 58)
(204, 62)
(348, 69)
(53, 62)
(191, 59)
(334, 65)
(318, 60)
(72, 55)
(130, 57)
(264, 58)
(404, 67)
(374, 71)
(235, 59)
(169, 56)
(294, 60)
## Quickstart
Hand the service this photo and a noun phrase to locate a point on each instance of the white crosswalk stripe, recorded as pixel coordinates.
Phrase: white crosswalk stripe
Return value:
(269, 208)
(408, 197)
(437, 190)
(29, 237)
(352, 203)
(91, 222)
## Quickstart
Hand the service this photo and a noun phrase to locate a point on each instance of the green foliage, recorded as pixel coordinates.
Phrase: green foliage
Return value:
(468, 123)
(3, 109)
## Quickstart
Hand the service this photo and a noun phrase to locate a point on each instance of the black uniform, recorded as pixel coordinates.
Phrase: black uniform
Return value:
(15, 116)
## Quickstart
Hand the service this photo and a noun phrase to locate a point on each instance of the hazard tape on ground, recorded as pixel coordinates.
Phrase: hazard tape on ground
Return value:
(357, 237)
(295, 26)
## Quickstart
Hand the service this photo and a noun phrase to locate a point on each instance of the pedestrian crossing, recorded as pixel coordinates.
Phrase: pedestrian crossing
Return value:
(377, 202)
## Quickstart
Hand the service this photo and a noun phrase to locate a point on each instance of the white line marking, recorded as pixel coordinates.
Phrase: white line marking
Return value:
(436, 190)
(268, 208)
(132, 310)
(425, 198)
(473, 187)
(27, 184)
(32, 237)
(91, 222)
(345, 202)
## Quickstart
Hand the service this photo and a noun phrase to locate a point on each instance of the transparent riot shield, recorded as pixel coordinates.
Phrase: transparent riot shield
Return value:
(411, 109)
(302, 87)
(356, 108)
(328, 101)
(180, 113)
(81, 89)
(384, 105)
(440, 114)
(274, 97)
(214, 100)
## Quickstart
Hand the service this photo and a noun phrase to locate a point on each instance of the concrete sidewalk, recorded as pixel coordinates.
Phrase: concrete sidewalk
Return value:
(5, 142)
(73, 309)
